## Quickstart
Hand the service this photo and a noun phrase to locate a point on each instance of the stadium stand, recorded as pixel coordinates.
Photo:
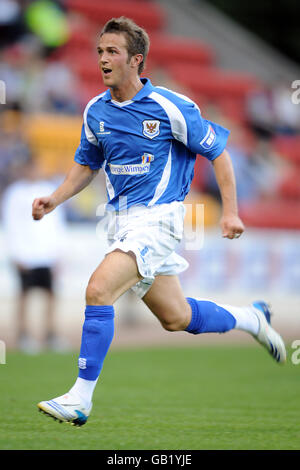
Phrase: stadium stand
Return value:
(166, 50)
(54, 152)
(276, 213)
(289, 148)
(212, 81)
(290, 185)
(147, 14)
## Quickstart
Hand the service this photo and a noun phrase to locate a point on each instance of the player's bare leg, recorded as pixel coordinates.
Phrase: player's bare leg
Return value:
(114, 276)
(172, 310)
(166, 300)
(117, 273)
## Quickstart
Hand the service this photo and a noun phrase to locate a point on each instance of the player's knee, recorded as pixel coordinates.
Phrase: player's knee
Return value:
(177, 318)
(178, 324)
(97, 294)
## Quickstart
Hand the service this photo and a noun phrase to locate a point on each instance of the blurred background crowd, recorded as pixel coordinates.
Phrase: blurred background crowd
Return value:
(48, 63)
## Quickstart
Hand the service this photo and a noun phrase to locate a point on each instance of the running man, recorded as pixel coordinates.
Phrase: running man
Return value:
(145, 138)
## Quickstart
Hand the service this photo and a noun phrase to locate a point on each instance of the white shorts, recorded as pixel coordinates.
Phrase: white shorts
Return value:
(152, 234)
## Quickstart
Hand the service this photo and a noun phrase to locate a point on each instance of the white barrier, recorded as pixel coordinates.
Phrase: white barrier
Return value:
(260, 264)
(259, 261)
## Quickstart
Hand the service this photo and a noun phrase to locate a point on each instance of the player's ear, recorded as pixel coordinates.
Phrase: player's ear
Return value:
(136, 60)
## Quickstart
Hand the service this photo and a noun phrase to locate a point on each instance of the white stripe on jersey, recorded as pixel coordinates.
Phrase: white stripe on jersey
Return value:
(180, 95)
(109, 186)
(177, 121)
(89, 135)
(162, 185)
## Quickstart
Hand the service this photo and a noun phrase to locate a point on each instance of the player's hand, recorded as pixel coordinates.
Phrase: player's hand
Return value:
(232, 226)
(42, 206)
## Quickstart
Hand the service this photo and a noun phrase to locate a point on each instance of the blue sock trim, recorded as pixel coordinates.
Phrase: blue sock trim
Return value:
(208, 317)
(99, 311)
(97, 335)
(196, 320)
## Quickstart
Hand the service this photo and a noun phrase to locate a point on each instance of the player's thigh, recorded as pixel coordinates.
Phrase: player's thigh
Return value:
(167, 301)
(114, 276)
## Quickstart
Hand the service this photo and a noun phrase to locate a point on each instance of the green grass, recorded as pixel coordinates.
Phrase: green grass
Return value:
(198, 398)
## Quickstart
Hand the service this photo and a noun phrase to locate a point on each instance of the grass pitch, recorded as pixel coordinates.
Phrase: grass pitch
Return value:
(212, 397)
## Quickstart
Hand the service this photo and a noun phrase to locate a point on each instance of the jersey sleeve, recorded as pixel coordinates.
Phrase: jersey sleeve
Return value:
(188, 126)
(204, 137)
(88, 152)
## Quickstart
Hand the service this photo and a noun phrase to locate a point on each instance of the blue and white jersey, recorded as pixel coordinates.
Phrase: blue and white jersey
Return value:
(147, 146)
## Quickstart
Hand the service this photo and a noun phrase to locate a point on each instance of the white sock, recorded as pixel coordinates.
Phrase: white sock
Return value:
(246, 320)
(84, 390)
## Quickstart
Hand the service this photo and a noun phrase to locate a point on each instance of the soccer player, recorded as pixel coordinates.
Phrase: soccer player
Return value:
(145, 138)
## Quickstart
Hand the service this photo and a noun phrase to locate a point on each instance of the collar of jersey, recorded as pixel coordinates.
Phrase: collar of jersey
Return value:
(145, 91)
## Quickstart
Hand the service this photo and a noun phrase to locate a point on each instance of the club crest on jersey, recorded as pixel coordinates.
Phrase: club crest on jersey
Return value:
(151, 128)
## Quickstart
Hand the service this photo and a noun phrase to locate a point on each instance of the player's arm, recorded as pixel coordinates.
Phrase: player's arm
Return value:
(209, 139)
(231, 224)
(78, 178)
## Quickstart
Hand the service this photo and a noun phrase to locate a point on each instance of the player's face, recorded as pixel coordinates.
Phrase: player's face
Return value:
(113, 59)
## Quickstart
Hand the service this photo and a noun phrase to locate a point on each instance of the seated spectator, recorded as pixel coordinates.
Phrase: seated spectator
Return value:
(36, 85)
(271, 111)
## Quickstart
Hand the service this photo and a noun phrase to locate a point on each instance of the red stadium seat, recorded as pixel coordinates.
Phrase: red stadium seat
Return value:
(290, 185)
(288, 147)
(146, 14)
(213, 82)
(85, 66)
(80, 40)
(281, 214)
(163, 49)
(233, 108)
(171, 49)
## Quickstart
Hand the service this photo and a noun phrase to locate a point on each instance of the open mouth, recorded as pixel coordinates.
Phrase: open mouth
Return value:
(106, 71)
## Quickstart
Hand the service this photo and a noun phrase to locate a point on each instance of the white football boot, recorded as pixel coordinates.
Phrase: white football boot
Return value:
(66, 408)
(267, 336)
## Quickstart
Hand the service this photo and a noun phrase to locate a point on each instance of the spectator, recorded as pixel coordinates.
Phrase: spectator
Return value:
(34, 250)
(13, 152)
(271, 111)
(11, 23)
(260, 112)
(36, 85)
(47, 20)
